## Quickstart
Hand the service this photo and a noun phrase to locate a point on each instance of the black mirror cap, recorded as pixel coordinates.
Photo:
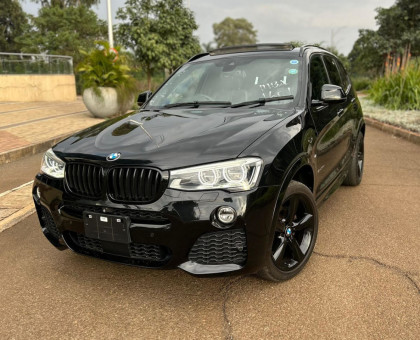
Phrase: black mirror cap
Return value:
(332, 94)
(143, 97)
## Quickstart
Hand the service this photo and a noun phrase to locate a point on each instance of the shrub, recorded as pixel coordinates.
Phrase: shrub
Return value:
(399, 91)
(361, 83)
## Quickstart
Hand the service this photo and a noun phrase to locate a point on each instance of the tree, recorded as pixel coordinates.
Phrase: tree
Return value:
(159, 32)
(65, 31)
(12, 23)
(207, 47)
(66, 3)
(400, 24)
(366, 56)
(232, 32)
(399, 27)
(391, 46)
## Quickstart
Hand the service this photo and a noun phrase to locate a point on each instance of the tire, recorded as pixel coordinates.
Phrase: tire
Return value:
(355, 170)
(294, 236)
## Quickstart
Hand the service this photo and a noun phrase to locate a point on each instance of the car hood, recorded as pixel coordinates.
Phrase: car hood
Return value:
(173, 138)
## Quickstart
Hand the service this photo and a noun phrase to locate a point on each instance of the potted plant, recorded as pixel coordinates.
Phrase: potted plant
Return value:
(109, 89)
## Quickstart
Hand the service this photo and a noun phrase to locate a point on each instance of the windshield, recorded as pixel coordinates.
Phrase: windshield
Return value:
(231, 80)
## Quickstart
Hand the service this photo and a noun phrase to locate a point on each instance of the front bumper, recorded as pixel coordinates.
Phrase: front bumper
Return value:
(175, 231)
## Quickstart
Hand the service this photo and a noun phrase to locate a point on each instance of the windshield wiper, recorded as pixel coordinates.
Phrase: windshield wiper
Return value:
(262, 101)
(197, 104)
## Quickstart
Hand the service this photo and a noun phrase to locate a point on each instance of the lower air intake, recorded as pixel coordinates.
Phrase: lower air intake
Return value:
(147, 252)
(48, 222)
(136, 251)
(222, 247)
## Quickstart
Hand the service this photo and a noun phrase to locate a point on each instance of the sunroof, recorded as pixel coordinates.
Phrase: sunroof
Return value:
(252, 48)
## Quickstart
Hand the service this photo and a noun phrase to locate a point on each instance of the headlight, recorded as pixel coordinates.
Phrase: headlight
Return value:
(52, 165)
(237, 175)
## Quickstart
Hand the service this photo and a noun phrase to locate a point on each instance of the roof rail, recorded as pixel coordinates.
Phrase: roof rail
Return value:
(252, 48)
(305, 47)
(198, 56)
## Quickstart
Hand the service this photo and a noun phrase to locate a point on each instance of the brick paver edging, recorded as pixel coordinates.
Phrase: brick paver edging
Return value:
(394, 130)
(15, 154)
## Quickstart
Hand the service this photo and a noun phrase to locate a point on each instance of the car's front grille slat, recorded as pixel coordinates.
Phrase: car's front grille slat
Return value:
(79, 176)
(141, 184)
(134, 184)
(124, 184)
(90, 179)
(84, 179)
(73, 174)
(95, 185)
(114, 183)
(121, 182)
(128, 184)
(156, 182)
(135, 178)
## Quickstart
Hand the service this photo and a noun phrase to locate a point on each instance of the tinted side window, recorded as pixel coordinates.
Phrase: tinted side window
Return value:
(333, 72)
(344, 77)
(318, 76)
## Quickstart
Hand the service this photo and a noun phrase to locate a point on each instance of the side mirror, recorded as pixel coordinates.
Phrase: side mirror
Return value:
(143, 97)
(332, 94)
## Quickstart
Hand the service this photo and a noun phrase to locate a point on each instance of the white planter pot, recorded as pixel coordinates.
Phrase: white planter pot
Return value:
(107, 104)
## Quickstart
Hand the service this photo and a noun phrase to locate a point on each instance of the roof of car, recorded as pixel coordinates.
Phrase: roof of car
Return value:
(256, 48)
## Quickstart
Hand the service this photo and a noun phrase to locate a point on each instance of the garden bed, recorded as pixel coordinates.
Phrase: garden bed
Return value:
(409, 119)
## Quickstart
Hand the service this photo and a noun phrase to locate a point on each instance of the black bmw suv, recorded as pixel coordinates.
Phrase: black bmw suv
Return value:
(221, 170)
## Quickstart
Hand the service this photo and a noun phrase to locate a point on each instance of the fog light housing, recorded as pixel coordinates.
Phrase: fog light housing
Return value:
(226, 215)
(38, 193)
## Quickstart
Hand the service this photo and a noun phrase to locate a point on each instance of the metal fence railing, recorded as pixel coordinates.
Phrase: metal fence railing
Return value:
(26, 63)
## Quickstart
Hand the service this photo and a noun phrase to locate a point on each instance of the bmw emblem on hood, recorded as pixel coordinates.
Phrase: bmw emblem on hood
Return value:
(113, 156)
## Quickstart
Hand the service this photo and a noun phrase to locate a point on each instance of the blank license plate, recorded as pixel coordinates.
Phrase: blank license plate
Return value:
(107, 227)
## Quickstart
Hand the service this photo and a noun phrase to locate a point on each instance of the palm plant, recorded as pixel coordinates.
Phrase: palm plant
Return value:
(107, 67)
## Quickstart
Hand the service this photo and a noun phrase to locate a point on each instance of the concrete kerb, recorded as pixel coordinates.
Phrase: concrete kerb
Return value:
(15, 154)
(394, 130)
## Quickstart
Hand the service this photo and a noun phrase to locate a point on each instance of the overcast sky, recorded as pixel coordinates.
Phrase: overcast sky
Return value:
(310, 21)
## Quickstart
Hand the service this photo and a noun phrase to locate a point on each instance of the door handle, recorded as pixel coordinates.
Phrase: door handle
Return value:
(354, 102)
(355, 106)
(340, 112)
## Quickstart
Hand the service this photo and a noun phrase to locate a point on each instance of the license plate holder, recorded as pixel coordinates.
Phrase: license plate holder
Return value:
(104, 227)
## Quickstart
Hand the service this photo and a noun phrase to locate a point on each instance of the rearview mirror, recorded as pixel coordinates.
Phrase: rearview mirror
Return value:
(143, 97)
(332, 93)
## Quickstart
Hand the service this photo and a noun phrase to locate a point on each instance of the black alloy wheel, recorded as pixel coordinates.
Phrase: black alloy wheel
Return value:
(295, 234)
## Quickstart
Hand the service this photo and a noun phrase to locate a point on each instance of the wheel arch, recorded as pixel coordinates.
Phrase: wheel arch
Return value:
(305, 175)
(300, 170)
(363, 128)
